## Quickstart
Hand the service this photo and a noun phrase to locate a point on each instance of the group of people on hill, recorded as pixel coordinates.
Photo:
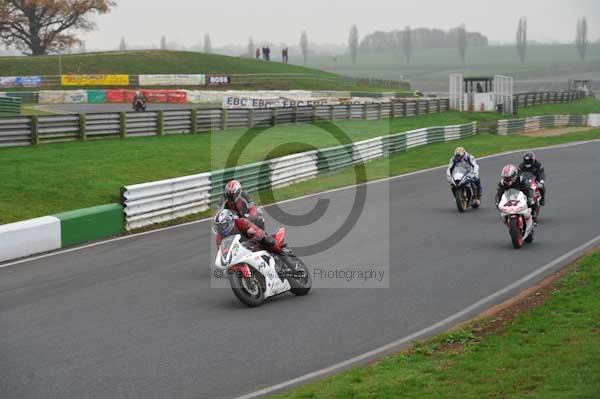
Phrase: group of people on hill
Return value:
(266, 54)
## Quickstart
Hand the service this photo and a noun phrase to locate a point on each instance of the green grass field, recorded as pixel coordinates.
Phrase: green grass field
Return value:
(177, 62)
(59, 177)
(429, 68)
(550, 351)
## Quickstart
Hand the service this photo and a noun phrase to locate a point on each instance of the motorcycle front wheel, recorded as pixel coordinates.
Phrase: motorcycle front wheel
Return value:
(515, 233)
(249, 291)
(462, 202)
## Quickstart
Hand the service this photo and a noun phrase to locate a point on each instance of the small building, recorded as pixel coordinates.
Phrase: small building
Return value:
(481, 94)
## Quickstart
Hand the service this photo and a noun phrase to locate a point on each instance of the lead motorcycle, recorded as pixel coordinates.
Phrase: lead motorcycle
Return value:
(464, 189)
(253, 272)
(517, 216)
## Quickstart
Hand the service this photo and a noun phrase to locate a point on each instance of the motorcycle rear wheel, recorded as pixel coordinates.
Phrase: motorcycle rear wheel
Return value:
(300, 281)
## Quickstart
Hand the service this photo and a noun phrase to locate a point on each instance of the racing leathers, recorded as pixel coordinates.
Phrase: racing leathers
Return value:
(251, 232)
(536, 169)
(244, 207)
(468, 162)
(519, 184)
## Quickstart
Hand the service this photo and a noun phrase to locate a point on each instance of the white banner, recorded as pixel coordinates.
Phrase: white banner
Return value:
(172, 80)
(76, 97)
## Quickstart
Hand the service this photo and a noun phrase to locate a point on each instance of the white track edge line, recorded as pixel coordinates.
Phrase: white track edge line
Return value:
(64, 251)
(421, 333)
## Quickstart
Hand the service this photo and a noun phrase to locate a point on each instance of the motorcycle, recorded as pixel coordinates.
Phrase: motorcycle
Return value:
(537, 194)
(139, 106)
(464, 190)
(518, 217)
(253, 273)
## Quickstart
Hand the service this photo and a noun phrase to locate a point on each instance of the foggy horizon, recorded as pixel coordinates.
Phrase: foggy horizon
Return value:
(275, 22)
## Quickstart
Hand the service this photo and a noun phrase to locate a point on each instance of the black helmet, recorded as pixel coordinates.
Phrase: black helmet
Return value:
(529, 159)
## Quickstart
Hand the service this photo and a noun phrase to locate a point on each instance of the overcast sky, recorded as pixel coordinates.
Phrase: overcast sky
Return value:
(143, 22)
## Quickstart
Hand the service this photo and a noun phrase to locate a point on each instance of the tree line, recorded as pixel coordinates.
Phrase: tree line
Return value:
(39, 27)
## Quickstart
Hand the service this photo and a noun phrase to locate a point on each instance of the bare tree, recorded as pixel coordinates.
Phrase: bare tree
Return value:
(122, 45)
(251, 47)
(207, 44)
(407, 44)
(582, 37)
(163, 42)
(353, 43)
(522, 39)
(461, 35)
(41, 26)
(304, 45)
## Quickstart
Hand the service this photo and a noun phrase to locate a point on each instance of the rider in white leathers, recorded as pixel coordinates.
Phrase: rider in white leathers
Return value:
(464, 159)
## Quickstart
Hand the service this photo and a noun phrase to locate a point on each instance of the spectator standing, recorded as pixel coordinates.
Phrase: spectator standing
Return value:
(257, 53)
(268, 53)
(264, 53)
(284, 55)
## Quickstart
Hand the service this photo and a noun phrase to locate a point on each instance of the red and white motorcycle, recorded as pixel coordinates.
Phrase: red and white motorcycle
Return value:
(537, 194)
(253, 272)
(518, 217)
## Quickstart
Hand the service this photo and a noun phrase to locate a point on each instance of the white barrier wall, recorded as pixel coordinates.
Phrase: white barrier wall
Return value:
(21, 239)
(594, 120)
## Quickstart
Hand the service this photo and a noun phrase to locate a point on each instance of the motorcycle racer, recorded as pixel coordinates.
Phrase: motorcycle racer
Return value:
(462, 158)
(512, 179)
(240, 203)
(531, 165)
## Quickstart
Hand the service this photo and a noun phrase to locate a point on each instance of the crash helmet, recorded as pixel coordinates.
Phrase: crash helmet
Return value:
(233, 191)
(459, 154)
(529, 159)
(510, 174)
(224, 222)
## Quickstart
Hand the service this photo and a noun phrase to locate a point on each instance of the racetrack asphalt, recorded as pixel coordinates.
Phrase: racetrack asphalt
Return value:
(137, 317)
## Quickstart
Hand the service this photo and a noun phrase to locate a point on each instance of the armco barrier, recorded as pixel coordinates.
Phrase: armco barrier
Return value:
(49, 233)
(10, 106)
(533, 123)
(53, 128)
(156, 202)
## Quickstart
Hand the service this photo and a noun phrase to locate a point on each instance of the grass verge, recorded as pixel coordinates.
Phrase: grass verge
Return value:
(546, 345)
(61, 177)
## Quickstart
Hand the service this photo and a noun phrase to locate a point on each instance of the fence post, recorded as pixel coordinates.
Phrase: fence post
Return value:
(428, 107)
(380, 111)
(331, 112)
(251, 117)
(224, 119)
(123, 125)
(35, 128)
(295, 115)
(417, 107)
(194, 120)
(349, 111)
(160, 122)
(82, 129)
(274, 117)
(314, 113)
(365, 112)
(392, 109)
(404, 108)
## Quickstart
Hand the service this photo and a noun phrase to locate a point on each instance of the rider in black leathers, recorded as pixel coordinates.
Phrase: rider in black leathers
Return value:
(531, 165)
(512, 179)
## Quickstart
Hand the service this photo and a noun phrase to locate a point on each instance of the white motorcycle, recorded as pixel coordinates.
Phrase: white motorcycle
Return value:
(518, 217)
(464, 189)
(253, 273)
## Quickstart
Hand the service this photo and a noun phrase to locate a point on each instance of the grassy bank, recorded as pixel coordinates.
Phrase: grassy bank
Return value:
(60, 177)
(179, 62)
(551, 350)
